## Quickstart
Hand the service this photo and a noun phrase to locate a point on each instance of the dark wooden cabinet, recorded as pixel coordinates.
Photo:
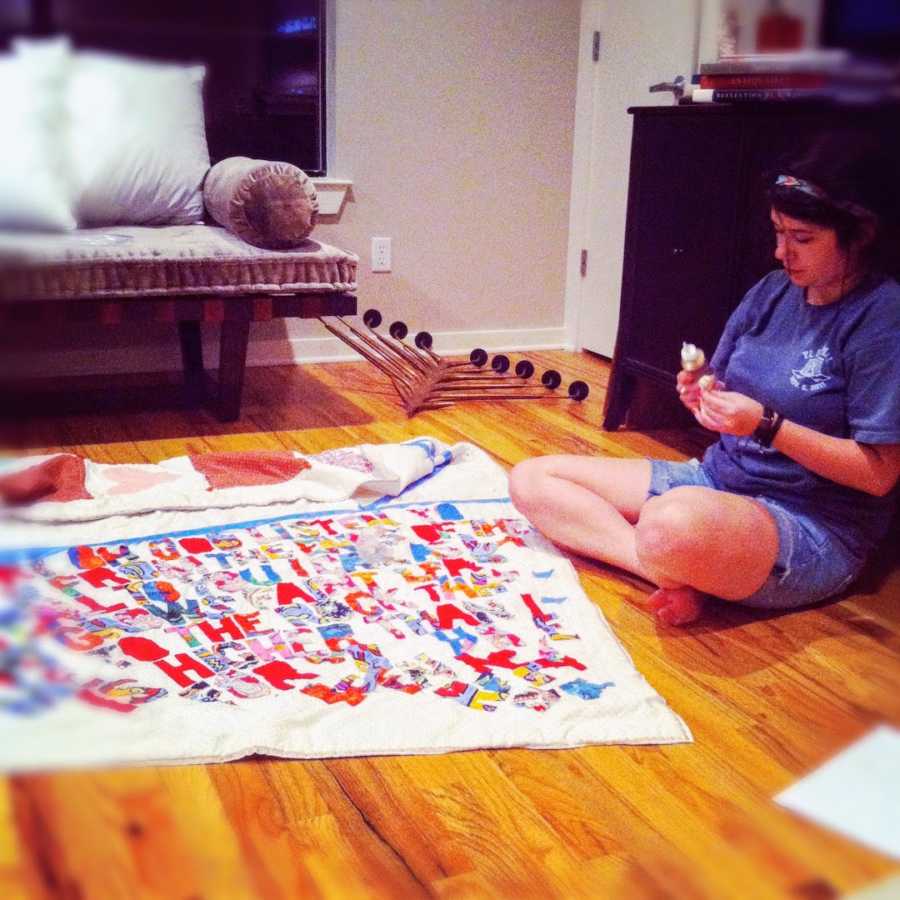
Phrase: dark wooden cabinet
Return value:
(698, 234)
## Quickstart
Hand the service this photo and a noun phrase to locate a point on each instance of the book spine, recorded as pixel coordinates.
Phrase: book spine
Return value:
(754, 68)
(770, 64)
(763, 80)
(766, 95)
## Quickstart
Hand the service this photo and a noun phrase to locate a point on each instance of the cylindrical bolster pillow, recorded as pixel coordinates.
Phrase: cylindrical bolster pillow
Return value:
(267, 204)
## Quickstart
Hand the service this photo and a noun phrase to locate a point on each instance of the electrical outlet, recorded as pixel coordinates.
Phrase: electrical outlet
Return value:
(381, 254)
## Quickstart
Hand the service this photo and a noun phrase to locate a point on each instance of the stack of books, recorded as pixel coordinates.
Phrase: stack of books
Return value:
(766, 77)
(815, 75)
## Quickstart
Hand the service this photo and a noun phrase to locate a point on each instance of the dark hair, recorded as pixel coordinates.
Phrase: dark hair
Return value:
(855, 174)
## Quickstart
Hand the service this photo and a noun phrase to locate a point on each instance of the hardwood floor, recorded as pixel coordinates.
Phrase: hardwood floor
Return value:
(768, 698)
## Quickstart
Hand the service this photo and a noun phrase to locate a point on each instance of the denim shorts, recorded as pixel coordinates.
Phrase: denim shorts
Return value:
(812, 564)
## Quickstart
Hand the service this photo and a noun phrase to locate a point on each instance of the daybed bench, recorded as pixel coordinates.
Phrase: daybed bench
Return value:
(110, 212)
(185, 274)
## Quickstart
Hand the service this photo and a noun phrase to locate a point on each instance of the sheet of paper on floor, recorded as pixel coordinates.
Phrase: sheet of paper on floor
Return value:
(857, 792)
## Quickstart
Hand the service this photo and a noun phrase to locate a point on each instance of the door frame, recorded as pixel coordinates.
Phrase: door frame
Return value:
(579, 201)
(586, 165)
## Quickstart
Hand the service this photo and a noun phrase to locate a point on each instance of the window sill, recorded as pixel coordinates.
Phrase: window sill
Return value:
(332, 193)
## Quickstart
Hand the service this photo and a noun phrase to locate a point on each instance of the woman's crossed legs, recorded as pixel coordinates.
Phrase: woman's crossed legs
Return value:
(691, 540)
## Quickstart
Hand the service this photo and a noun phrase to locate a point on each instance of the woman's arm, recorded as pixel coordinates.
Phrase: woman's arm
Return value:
(872, 468)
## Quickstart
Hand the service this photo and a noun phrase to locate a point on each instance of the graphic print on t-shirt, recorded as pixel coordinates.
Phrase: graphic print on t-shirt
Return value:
(810, 377)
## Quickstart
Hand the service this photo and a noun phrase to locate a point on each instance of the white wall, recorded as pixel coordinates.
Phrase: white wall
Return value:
(455, 121)
(454, 118)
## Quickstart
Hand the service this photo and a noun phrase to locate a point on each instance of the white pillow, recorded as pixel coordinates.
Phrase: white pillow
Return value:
(137, 140)
(34, 187)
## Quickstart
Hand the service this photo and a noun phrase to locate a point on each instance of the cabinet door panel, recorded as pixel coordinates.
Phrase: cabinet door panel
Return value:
(681, 237)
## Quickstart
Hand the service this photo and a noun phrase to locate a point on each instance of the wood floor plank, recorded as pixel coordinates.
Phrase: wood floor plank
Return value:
(478, 808)
(211, 846)
(104, 834)
(16, 881)
(303, 837)
(724, 867)
(273, 831)
(391, 799)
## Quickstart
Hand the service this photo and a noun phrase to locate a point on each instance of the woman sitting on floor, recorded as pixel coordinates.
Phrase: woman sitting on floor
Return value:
(805, 396)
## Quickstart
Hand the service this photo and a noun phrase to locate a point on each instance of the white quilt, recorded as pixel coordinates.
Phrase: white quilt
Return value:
(379, 600)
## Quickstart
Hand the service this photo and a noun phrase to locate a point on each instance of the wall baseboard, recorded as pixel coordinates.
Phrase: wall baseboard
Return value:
(281, 352)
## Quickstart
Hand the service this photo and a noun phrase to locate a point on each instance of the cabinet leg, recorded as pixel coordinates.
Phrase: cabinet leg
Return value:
(618, 399)
(232, 360)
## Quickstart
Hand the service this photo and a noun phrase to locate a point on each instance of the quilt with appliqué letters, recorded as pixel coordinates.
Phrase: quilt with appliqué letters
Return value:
(375, 599)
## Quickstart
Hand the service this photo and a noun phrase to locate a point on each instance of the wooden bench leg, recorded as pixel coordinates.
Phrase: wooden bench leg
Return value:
(192, 361)
(232, 359)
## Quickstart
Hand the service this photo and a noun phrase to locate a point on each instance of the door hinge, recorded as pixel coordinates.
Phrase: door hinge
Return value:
(584, 263)
(596, 51)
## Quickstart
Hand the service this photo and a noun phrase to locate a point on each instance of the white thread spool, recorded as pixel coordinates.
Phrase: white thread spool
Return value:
(692, 357)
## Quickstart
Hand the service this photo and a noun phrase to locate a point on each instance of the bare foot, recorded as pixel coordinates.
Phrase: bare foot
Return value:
(676, 606)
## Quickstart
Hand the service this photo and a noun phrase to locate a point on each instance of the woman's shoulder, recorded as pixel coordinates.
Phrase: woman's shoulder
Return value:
(772, 281)
(874, 316)
(882, 296)
(770, 286)
(887, 289)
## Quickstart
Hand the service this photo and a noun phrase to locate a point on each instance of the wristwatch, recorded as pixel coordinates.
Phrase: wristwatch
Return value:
(768, 426)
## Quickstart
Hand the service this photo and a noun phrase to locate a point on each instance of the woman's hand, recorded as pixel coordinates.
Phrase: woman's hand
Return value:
(728, 412)
(686, 383)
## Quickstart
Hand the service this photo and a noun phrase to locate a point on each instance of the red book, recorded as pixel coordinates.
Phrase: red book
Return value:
(763, 80)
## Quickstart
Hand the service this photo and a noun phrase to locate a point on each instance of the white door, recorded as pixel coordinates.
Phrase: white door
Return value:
(641, 42)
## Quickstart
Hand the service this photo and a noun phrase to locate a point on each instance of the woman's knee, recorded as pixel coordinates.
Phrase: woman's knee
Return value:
(670, 526)
(527, 482)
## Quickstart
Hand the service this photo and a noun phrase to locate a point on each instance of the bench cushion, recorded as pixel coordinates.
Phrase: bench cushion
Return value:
(177, 260)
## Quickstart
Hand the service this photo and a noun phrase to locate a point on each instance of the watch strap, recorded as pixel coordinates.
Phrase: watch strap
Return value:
(768, 426)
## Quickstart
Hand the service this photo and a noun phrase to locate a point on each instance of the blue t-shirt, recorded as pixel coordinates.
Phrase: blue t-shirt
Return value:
(833, 368)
